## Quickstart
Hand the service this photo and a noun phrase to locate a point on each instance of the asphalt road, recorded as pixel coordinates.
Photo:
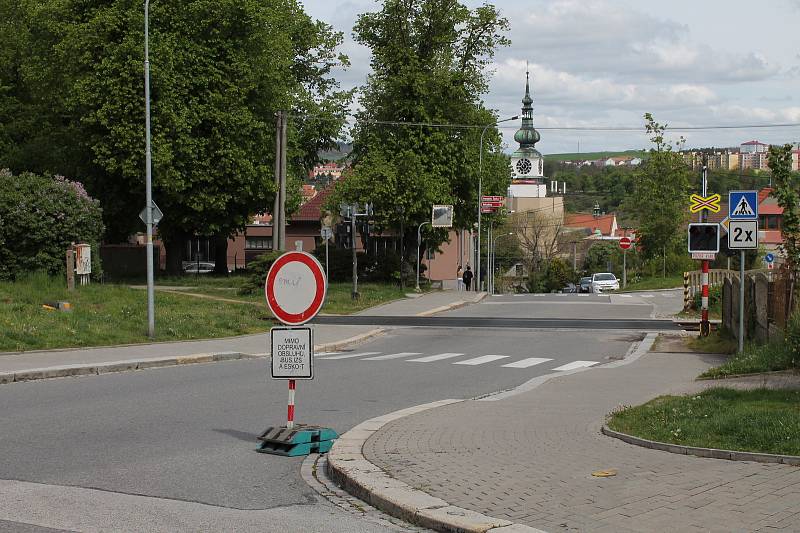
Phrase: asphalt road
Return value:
(189, 433)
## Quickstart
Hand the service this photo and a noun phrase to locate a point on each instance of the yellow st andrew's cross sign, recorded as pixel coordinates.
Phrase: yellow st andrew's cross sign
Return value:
(698, 203)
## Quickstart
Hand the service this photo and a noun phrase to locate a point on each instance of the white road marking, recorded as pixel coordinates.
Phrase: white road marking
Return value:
(625, 296)
(438, 357)
(481, 360)
(525, 363)
(392, 356)
(576, 364)
(351, 355)
(647, 295)
(324, 354)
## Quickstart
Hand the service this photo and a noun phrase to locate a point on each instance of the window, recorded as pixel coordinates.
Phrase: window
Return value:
(518, 269)
(259, 243)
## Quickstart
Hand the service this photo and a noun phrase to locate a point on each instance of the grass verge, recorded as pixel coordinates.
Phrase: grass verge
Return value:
(651, 284)
(764, 421)
(718, 341)
(756, 358)
(112, 314)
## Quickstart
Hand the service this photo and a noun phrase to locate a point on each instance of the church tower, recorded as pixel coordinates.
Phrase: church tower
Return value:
(527, 164)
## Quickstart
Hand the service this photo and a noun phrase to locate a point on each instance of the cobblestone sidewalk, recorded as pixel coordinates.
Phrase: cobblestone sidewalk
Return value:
(529, 458)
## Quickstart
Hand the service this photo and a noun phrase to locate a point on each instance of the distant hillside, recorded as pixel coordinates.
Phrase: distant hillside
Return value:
(335, 155)
(592, 155)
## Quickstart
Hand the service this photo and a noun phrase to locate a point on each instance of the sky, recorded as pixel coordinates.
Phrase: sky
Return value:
(599, 63)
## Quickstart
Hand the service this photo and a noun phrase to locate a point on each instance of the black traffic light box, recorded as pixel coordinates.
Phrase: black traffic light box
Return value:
(704, 237)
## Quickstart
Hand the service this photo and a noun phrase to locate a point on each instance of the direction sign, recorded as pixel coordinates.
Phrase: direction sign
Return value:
(494, 205)
(292, 353)
(698, 203)
(625, 243)
(743, 234)
(295, 288)
(743, 205)
(485, 198)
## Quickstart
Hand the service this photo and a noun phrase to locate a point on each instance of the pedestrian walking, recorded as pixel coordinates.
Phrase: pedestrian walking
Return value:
(467, 277)
(460, 278)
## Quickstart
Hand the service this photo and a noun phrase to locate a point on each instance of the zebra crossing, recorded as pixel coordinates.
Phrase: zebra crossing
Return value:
(454, 358)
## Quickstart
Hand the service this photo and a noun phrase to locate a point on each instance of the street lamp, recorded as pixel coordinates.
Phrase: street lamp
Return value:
(151, 321)
(480, 194)
(419, 239)
(494, 243)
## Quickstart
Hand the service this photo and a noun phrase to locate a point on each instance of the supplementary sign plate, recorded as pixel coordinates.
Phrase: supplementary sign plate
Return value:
(295, 288)
(743, 234)
(704, 256)
(743, 205)
(292, 352)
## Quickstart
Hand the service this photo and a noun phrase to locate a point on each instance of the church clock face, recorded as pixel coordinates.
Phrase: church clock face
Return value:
(524, 166)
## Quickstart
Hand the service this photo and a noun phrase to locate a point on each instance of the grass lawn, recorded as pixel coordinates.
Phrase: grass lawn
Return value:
(112, 314)
(756, 358)
(658, 282)
(338, 300)
(765, 421)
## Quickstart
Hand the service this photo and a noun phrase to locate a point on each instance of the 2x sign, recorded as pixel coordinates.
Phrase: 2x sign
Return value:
(743, 234)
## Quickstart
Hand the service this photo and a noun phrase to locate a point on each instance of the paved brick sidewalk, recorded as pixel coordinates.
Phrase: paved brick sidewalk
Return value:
(529, 459)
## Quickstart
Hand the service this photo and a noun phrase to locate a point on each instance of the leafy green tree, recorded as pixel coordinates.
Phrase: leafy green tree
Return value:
(219, 71)
(428, 61)
(39, 217)
(660, 193)
(788, 196)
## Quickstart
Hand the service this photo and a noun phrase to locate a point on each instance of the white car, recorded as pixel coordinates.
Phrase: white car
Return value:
(604, 281)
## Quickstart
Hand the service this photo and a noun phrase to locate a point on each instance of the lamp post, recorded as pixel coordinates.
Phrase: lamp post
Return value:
(151, 321)
(480, 195)
(494, 258)
(419, 239)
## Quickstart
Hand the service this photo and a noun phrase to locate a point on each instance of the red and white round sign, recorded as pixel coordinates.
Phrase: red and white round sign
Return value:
(625, 243)
(295, 288)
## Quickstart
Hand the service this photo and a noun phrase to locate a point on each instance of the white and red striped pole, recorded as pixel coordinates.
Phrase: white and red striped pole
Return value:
(290, 409)
(704, 326)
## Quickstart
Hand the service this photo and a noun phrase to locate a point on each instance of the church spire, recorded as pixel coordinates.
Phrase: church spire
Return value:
(527, 136)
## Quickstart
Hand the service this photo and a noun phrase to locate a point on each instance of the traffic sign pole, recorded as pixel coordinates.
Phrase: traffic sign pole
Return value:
(624, 268)
(741, 301)
(290, 407)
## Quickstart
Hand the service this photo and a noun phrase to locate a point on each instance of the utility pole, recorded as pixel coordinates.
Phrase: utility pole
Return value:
(151, 318)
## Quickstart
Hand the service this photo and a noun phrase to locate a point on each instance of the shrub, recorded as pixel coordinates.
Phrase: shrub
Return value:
(39, 217)
(792, 340)
(258, 269)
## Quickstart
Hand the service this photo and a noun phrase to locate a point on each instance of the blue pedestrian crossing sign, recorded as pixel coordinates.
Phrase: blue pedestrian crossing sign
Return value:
(743, 205)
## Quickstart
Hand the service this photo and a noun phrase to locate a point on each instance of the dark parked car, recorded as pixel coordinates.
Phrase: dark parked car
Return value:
(585, 284)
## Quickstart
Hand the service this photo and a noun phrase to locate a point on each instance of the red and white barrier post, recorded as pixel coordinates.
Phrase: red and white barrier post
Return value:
(290, 408)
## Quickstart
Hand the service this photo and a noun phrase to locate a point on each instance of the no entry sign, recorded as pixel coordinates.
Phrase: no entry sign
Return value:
(295, 288)
(625, 243)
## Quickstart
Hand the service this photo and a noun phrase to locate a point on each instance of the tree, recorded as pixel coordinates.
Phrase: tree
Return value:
(788, 196)
(219, 71)
(428, 60)
(539, 234)
(660, 191)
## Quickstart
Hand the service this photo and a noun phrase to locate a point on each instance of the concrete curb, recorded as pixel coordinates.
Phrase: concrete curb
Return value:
(455, 305)
(713, 453)
(127, 365)
(119, 366)
(368, 482)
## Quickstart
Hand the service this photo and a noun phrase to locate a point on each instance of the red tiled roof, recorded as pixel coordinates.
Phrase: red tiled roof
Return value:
(311, 211)
(584, 220)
